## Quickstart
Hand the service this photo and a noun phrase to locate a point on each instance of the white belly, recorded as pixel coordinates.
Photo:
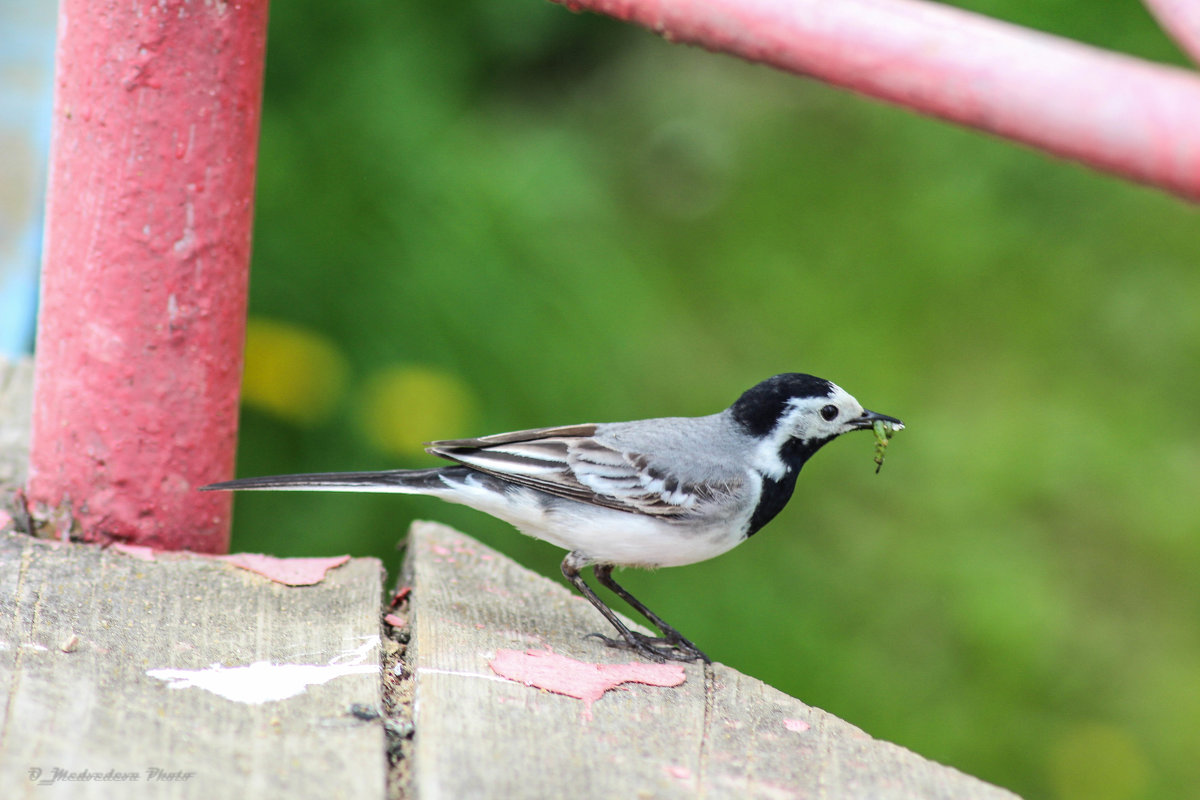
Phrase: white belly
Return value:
(606, 535)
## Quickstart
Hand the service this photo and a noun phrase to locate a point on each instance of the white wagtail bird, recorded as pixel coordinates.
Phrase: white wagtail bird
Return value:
(650, 493)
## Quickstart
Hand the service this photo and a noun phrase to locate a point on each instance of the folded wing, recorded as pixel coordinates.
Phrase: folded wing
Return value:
(568, 462)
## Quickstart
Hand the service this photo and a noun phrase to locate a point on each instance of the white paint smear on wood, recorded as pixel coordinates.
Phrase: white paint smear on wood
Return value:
(264, 681)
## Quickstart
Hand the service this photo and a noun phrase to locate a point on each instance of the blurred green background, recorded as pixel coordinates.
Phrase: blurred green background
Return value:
(486, 216)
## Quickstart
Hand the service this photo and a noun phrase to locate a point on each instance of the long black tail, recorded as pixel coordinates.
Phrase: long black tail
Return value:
(404, 481)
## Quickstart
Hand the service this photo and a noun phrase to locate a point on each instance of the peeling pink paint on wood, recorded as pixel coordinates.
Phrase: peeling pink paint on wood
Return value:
(147, 248)
(580, 679)
(288, 571)
(140, 552)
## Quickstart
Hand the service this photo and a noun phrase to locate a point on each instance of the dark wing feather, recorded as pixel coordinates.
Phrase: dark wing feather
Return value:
(533, 434)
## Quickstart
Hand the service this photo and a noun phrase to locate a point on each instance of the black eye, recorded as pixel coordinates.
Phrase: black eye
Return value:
(829, 413)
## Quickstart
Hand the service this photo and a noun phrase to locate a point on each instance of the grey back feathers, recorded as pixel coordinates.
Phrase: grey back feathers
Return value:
(648, 467)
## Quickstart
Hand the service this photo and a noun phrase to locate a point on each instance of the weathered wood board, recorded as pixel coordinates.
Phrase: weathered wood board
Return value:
(82, 631)
(720, 734)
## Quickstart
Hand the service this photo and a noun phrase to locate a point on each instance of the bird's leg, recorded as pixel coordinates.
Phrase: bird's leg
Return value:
(570, 570)
(604, 575)
(648, 646)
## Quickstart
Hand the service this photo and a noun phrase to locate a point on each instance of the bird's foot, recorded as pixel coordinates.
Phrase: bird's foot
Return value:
(660, 649)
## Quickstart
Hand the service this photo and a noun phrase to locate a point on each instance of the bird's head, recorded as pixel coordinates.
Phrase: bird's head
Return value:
(796, 409)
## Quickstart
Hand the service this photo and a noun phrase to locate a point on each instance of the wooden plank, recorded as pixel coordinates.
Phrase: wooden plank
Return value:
(720, 734)
(83, 629)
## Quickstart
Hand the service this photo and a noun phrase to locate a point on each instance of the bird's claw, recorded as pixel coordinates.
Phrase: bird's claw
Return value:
(655, 648)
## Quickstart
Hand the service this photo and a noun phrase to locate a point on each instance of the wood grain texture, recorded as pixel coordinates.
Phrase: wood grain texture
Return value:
(80, 627)
(721, 734)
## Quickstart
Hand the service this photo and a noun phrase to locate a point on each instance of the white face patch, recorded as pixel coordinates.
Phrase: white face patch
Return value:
(808, 418)
(805, 419)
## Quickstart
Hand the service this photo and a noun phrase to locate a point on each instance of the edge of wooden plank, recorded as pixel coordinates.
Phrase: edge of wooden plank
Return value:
(719, 734)
(101, 654)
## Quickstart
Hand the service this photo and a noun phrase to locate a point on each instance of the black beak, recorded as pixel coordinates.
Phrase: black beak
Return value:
(868, 419)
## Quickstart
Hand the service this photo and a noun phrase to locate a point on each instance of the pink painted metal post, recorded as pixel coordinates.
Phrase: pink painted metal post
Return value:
(1180, 19)
(147, 248)
(1115, 113)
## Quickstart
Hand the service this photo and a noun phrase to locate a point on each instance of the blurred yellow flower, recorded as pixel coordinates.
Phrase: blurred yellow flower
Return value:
(405, 406)
(291, 372)
(1097, 761)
